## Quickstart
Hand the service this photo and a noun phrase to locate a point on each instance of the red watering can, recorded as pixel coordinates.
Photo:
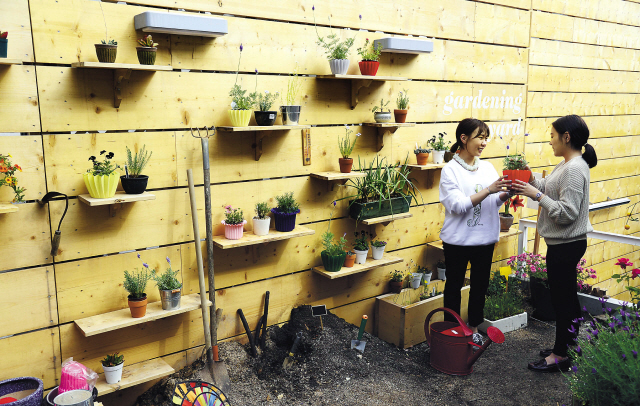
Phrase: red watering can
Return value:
(452, 345)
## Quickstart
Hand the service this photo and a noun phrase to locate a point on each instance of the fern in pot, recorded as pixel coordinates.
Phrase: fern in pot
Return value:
(261, 221)
(170, 288)
(134, 182)
(285, 212)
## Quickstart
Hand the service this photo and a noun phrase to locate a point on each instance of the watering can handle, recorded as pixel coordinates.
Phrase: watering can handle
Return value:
(465, 329)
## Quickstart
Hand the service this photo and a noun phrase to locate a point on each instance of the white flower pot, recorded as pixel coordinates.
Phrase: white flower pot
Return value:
(438, 157)
(427, 278)
(442, 274)
(339, 66)
(507, 324)
(361, 256)
(382, 117)
(415, 280)
(377, 252)
(113, 374)
(261, 226)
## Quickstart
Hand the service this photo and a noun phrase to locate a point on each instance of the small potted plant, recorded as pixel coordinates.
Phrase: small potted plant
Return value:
(8, 170)
(136, 283)
(442, 270)
(337, 51)
(134, 182)
(4, 43)
(112, 365)
(379, 113)
(346, 148)
(415, 278)
(377, 248)
(513, 166)
(439, 147)
(370, 58)
(350, 259)
(506, 218)
(233, 223)
(426, 274)
(400, 114)
(261, 221)
(169, 287)
(102, 179)
(333, 255)
(290, 110)
(285, 212)
(107, 50)
(147, 50)
(396, 281)
(240, 113)
(422, 154)
(264, 115)
(361, 246)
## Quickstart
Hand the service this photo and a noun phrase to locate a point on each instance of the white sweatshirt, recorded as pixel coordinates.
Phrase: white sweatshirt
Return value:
(463, 223)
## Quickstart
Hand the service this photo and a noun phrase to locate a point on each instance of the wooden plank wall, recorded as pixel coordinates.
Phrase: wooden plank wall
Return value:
(546, 51)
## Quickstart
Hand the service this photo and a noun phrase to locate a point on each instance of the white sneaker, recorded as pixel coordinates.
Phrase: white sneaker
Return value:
(477, 338)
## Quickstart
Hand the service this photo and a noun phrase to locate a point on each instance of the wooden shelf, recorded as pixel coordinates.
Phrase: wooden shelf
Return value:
(260, 132)
(263, 128)
(8, 208)
(386, 128)
(6, 61)
(135, 374)
(357, 268)
(388, 125)
(248, 238)
(386, 219)
(116, 202)
(337, 177)
(427, 167)
(512, 232)
(118, 319)
(360, 81)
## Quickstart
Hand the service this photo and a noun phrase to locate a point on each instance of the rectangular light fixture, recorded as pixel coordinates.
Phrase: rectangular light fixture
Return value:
(182, 24)
(607, 204)
(404, 45)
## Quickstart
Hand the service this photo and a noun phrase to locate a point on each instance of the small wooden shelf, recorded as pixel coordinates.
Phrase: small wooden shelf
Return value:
(261, 132)
(8, 208)
(118, 319)
(6, 61)
(512, 232)
(135, 374)
(386, 219)
(360, 81)
(337, 177)
(120, 197)
(248, 238)
(357, 268)
(263, 128)
(386, 128)
(427, 167)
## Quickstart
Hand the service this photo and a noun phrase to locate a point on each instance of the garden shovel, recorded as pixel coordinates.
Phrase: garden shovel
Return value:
(290, 358)
(359, 344)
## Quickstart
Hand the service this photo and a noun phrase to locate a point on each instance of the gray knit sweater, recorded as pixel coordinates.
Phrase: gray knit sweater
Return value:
(565, 207)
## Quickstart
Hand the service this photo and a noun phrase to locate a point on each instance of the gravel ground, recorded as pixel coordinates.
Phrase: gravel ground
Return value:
(327, 372)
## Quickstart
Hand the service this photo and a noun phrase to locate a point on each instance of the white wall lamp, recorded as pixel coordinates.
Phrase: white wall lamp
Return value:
(403, 45)
(183, 24)
(609, 204)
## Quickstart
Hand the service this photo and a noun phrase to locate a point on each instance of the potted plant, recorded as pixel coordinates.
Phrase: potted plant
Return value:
(377, 248)
(107, 50)
(422, 154)
(402, 102)
(534, 267)
(240, 113)
(112, 365)
(513, 166)
(8, 170)
(264, 115)
(361, 246)
(290, 110)
(503, 306)
(379, 113)
(4, 43)
(370, 58)
(147, 50)
(426, 274)
(506, 218)
(442, 270)
(350, 259)
(333, 255)
(261, 221)
(337, 51)
(415, 280)
(396, 281)
(233, 223)
(136, 283)
(285, 212)
(169, 287)
(133, 182)
(346, 148)
(102, 179)
(439, 147)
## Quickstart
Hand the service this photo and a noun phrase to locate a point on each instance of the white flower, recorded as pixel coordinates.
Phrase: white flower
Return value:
(233, 105)
(357, 135)
(266, 91)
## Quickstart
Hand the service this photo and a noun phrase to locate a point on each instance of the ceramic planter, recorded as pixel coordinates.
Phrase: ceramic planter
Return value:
(134, 186)
(427, 277)
(382, 116)
(448, 156)
(363, 211)
(233, 231)
(4, 44)
(345, 164)
(438, 157)
(170, 298)
(261, 226)
(396, 287)
(138, 307)
(147, 55)
(101, 186)
(369, 68)
(507, 324)
(106, 53)
(422, 158)
(442, 274)
(506, 221)
(517, 174)
(113, 374)
(400, 115)
(349, 259)
(284, 222)
(240, 118)
(415, 280)
(290, 115)
(265, 118)
(339, 66)
(361, 256)
(332, 263)
(377, 252)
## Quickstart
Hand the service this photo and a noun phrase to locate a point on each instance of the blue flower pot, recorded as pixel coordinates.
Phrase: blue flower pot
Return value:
(284, 222)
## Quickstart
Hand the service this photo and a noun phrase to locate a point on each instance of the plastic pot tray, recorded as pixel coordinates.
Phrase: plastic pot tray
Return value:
(364, 211)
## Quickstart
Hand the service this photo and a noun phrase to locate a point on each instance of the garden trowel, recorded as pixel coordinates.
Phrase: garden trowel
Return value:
(291, 358)
(359, 344)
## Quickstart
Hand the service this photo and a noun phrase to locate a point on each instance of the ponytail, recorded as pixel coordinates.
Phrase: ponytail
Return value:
(589, 155)
(455, 147)
(578, 136)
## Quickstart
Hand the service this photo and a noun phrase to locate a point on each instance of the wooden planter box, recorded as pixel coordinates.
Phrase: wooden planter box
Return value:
(403, 325)
(507, 324)
(593, 305)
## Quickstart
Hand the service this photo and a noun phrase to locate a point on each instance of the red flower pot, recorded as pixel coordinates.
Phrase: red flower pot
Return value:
(517, 174)
(369, 68)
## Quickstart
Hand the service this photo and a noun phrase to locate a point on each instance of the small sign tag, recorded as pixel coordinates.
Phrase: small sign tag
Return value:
(505, 270)
(272, 116)
(319, 310)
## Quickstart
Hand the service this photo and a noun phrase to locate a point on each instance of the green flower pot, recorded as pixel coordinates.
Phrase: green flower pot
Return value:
(106, 53)
(147, 55)
(332, 263)
(4, 43)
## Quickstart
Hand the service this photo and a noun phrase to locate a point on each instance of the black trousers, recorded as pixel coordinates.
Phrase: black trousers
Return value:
(562, 260)
(456, 258)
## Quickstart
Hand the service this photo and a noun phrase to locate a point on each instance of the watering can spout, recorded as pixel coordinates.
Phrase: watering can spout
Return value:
(495, 336)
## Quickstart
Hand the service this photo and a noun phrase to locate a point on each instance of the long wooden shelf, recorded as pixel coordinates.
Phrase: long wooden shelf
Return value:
(506, 234)
(386, 219)
(120, 197)
(8, 208)
(357, 268)
(6, 61)
(248, 238)
(263, 128)
(129, 66)
(363, 77)
(118, 319)
(386, 125)
(135, 374)
(427, 167)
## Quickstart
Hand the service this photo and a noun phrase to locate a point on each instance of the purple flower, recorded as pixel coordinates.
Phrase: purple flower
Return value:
(168, 260)
(526, 134)
(334, 203)
(256, 71)
(572, 330)
(145, 265)
(624, 357)
(584, 308)
(138, 256)
(313, 8)
(578, 350)
(360, 16)
(602, 300)
(574, 369)
(625, 328)
(241, 48)
(507, 147)
(593, 370)
(635, 353)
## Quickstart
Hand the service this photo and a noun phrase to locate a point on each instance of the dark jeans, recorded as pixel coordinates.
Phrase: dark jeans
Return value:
(562, 260)
(456, 258)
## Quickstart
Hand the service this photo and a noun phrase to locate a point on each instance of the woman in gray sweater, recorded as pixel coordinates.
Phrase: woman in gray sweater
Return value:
(564, 223)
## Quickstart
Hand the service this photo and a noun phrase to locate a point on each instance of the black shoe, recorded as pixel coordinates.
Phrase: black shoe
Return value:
(545, 353)
(542, 366)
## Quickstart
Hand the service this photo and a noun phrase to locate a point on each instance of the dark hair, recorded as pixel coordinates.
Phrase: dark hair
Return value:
(579, 135)
(467, 127)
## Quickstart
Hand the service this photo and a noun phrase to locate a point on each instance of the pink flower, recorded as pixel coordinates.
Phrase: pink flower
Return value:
(623, 263)
(594, 276)
(635, 273)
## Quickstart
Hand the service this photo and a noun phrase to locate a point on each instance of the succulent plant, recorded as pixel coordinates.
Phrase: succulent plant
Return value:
(147, 41)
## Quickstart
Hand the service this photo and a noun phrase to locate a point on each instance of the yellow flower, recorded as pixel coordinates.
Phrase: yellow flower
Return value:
(628, 214)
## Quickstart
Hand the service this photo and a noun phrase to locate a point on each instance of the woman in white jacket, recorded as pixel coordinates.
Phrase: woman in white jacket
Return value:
(469, 192)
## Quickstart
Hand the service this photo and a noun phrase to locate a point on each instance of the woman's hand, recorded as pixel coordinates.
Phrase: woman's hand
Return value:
(531, 178)
(499, 185)
(525, 189)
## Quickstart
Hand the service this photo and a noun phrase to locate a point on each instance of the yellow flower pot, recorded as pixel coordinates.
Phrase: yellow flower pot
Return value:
(240, 118)
(101, 187)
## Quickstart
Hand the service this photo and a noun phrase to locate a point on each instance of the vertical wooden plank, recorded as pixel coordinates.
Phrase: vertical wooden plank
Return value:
(26, 151)
(16, 21)
(34, 239)
(19, 101)
(34, 354)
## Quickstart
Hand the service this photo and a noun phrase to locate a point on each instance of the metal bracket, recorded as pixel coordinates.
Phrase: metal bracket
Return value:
(259, 136)
(118, 76)
(113, 209)
(382, 131)
(356, 85)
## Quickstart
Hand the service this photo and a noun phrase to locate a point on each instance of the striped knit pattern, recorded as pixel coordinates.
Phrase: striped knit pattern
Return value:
(565, 207)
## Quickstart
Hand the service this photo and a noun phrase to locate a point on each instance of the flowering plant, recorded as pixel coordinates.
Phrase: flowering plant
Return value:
(333, 248)
(345, 144)
(584, 274)
(515, 161)
(370, 54)
(623, 263)
(166, 280)
(105, 167)
(361, 243)
(514, 202)
(3, 34)
(136, 282)
(438, 143)
(147, 41)
(528, 265)
(403, 100)
(233, 216)
(8, 169)
(333, 47)
(378, 243)
(239, 100)
(396, 276)
(265, 100)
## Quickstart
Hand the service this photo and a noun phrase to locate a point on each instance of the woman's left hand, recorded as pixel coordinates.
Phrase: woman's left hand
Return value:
(524, 189)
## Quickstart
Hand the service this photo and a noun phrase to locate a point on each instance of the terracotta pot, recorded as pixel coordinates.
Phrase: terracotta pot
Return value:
(517, 174)
(400, 115)
(505, 222)
(422, 158)
(369, 68)
(396, 287)
(345, 164)
(138, 307)
(350, 260)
